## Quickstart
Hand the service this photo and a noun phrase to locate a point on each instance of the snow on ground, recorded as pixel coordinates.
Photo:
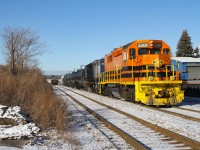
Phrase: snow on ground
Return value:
(14, 125)
(191, 103)
(140, 132)
(22, 129)
(81, 133)
(184, 112)
(176, 124)
(86, 135)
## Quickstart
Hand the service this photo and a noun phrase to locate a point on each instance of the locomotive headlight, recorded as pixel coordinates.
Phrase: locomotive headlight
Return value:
(172, 78)
(151, 78)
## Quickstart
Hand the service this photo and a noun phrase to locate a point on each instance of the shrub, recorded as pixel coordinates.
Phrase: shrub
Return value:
(7, 121)
(35, 96)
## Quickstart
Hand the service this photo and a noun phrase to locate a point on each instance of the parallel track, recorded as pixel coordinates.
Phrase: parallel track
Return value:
(171, 135)
(181, 108)
(174, 113)
(129, 139)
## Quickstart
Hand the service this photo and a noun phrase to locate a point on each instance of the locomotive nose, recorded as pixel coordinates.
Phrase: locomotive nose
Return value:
(158, 62)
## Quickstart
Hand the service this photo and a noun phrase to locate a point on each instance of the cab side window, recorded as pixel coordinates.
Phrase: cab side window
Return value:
(124, 58)
(166, 51)
(143, 51)
(132, 54)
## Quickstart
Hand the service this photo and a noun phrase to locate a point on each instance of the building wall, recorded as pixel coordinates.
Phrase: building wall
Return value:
(188, 70)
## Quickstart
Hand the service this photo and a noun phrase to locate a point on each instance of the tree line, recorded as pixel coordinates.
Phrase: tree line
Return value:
(21, 46)
(184, 46)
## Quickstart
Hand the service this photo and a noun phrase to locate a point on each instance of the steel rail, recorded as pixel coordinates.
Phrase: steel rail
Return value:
(129, 139)
(181, 139)
(192, 110)
(175, 114)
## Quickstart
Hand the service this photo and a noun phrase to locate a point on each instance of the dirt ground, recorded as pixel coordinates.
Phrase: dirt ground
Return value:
(13, 143)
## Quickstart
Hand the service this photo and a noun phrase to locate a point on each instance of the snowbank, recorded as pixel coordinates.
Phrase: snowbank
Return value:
(23, 128)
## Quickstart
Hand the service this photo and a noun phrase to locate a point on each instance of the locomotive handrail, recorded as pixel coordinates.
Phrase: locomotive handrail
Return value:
(155, 71)
(173, 70)
(115, 76)
(132, 67)
(166, 72)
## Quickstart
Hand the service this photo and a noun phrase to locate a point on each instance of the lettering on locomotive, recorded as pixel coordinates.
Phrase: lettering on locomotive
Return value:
(142, 45)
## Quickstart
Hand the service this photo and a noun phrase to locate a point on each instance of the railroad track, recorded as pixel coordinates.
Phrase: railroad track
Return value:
(175, 113)
(85, 118)
(175, 140)
(191, 110)
(130, 140)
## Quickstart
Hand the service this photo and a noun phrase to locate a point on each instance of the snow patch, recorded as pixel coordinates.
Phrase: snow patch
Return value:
(24, 127)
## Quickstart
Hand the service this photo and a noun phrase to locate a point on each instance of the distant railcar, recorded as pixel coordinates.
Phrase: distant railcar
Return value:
(54, 81)
(74, 79)
(86, 78)
(92, 72)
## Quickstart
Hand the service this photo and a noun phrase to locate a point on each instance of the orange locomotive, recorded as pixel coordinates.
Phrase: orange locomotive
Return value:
(141, 71)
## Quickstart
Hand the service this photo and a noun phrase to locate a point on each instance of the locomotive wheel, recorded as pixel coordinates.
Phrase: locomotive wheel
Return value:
(128, 93)
(107, 91)
(96, 89)
(87, 88)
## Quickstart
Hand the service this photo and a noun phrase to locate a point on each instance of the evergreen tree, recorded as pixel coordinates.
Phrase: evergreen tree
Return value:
(196, 52)
(184, 46)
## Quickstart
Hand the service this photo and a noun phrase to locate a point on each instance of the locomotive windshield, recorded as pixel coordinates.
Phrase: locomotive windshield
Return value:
(154, 51)
(143, 51)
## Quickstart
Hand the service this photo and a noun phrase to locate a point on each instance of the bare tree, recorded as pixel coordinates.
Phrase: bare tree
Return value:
(20, 47)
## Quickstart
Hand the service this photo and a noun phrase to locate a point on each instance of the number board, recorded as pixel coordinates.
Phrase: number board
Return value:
(142, 44)
(157, 45)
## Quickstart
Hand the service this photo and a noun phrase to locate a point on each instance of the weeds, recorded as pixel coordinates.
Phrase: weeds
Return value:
(35, 96)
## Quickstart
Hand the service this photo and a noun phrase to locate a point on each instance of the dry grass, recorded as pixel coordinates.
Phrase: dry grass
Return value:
(35, 96)
(7, 121)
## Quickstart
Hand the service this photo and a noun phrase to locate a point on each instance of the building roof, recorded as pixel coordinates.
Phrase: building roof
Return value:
(186, 59)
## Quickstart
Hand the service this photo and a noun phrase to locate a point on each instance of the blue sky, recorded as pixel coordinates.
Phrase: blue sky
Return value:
(80, 31)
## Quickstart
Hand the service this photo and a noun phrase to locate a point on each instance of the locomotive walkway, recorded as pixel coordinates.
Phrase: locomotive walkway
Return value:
(141, 133)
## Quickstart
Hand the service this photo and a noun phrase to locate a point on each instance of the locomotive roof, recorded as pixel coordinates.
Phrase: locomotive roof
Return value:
(127, 45)
(186, 59)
